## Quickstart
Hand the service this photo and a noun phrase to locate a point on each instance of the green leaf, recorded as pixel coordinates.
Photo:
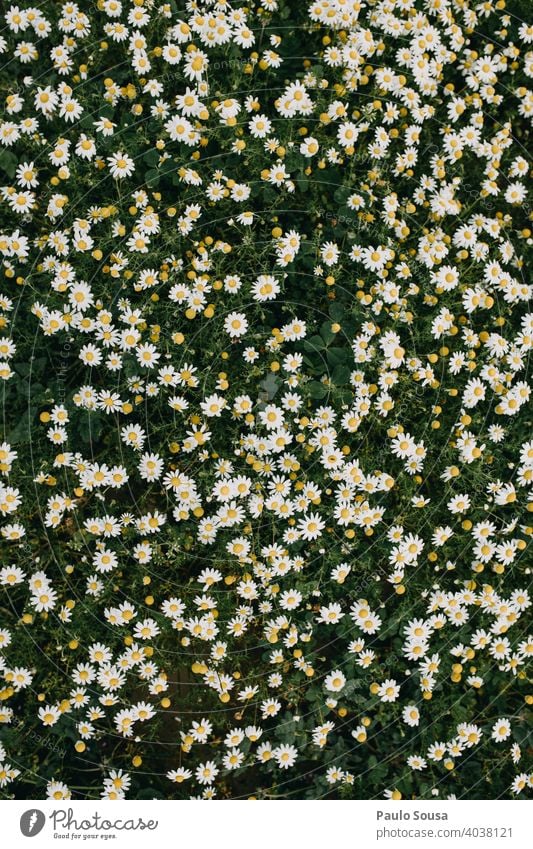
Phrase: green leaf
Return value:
(341, 375)
(317, 390)
(336, 356)
(337, 311)
(268, 387)
(22, 430)
(326, 332)
(151, 157)
(152, 177)
(315, 343)
(8, 163)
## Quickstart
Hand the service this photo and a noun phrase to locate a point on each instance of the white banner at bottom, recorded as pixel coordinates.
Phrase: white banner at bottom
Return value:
(268, 825)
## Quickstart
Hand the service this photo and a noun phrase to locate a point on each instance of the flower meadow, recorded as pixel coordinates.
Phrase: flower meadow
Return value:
(266, 454)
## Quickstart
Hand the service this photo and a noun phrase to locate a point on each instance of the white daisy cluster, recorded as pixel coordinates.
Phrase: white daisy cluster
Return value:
(265, 477)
